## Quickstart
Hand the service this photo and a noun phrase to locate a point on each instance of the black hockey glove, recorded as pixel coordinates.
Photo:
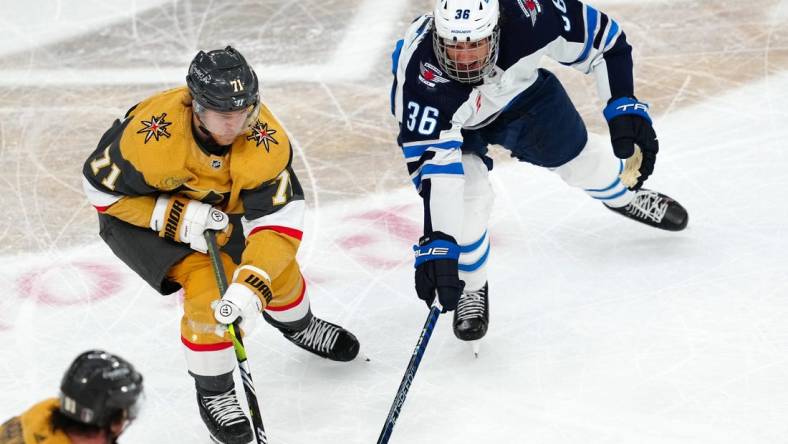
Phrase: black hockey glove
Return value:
(630, 125)
(436, 270)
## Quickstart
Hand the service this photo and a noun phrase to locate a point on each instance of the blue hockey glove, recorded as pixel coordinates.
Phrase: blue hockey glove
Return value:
(436, 270)
(630, 125)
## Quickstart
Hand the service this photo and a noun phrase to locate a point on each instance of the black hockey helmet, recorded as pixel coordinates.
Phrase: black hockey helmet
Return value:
(97, 386)
(221, 80)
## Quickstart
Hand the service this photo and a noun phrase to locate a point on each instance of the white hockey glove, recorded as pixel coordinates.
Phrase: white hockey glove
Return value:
(185, 220)
(239, 302)
(244, 297)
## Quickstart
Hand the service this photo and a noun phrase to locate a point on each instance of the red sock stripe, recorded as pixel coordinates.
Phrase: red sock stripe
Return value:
(101, 209)
(292, 232)
(292, 304)
(205, 347)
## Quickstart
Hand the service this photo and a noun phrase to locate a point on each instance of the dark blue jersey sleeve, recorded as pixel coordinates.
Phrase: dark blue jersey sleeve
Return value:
(592, 42)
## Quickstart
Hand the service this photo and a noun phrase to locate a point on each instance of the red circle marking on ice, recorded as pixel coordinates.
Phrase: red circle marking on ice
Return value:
(101, 282)
(392, 221)
(388, 223)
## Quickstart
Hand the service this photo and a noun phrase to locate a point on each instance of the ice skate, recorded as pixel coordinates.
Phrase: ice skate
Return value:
(223, 416)
(326, 340)
(472, 315)
(655, 209)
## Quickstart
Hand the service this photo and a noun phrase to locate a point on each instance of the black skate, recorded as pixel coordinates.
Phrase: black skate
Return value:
(325, 340)
(472, 315)
(655, 209)
(224, 418)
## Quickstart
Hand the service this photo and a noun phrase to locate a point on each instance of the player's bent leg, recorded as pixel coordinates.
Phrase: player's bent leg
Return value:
(290, 312)
(471, 317)
(210, 357)
(596, 170)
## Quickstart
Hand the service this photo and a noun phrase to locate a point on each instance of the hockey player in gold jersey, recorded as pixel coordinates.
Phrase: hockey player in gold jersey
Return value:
(211, 156)
(99, 396)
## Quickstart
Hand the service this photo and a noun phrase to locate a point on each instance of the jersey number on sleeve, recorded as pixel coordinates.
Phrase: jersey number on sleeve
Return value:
(427, 119)
(102, 162)
(562, 7)
(281, 195)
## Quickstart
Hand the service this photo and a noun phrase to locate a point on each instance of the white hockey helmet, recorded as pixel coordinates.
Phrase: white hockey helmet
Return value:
(465, 37)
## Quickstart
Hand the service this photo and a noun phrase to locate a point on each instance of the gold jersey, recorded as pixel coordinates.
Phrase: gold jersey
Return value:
(33, 426)
(153, 151)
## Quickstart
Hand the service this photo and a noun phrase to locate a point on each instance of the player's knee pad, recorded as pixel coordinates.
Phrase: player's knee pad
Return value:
(474, 241)
(596, 170)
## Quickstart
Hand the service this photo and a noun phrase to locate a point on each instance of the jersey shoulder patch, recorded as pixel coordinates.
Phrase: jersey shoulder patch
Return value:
(429, 98)
(531, 9)
(262, 152)
(36, 424)
(158, 136)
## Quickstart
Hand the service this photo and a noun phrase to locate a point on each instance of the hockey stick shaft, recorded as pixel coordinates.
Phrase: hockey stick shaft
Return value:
(410, 373)
(238, 344)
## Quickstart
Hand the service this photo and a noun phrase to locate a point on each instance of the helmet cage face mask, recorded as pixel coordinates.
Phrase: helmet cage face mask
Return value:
(463, 69)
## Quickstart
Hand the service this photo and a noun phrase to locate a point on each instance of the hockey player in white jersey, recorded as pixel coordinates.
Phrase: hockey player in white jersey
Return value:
(466, 76)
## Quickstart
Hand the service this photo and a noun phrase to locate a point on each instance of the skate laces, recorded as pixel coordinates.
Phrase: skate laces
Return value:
(224, 408)
(471, 305)
(319, 335)
(648, 205)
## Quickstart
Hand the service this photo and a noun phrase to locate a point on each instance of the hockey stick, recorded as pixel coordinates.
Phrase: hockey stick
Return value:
(238, 344)
(410, 372)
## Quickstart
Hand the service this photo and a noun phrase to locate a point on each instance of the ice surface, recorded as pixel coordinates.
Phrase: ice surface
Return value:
(602, 330)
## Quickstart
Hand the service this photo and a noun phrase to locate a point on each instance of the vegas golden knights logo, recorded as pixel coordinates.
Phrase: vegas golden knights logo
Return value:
(261, 134)
(155, 127)
(11, 432)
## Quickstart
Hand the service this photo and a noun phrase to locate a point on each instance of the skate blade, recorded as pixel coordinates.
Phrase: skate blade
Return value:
(476, 347)
(216, 441)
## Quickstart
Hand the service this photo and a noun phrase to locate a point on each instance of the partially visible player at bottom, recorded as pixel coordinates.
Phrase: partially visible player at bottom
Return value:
(211, 156)
(467, 76)
(99, 397)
